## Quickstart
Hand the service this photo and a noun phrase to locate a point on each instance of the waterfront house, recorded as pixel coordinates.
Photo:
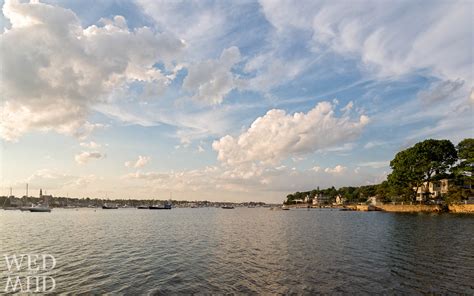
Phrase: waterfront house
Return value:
(320, 199)
(374, 200)
(432, 190)
(339, 200)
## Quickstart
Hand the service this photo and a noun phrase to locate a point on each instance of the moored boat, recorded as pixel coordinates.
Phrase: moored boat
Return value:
(228, 207)
(109, 207)
(40, 209)
(43, 207)
(160, 207)
(26, 209)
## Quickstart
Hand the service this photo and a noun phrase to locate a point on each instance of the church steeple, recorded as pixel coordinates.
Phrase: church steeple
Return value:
(41, 193)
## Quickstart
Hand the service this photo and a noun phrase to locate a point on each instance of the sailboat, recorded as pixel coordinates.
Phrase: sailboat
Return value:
(109, 206)
(41, 208)
(9, 199)
(26, 208)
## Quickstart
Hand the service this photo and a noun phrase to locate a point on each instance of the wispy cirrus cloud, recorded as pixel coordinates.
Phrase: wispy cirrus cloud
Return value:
(375, 164)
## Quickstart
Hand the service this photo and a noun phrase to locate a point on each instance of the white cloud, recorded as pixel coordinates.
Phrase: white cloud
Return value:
(55, 179)
(85, 156)
(390, 38)
(54, 70)
(372, 144)
(338, 169)
(212, 80)
(348, 107)
(271, 70)
(298, 158)
(139, 163)
(82, 181)
(288, 134)
(271, 183)
(147, 176)
(375, 164)
(441, 90)
(90, 145)
(197, 22)
(316, 169)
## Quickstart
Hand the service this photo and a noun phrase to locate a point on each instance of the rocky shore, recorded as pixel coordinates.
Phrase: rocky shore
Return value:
(457, 208)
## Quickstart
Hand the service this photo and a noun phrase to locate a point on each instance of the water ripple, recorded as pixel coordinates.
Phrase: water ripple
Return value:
(247, 251)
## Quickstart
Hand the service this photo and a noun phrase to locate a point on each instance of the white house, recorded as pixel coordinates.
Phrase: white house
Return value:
(435, 189)
(339, 200)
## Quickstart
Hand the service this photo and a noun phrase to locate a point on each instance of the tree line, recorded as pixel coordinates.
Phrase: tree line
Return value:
(427, 161)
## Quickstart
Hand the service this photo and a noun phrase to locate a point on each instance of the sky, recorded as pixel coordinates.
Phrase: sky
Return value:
(225, 100)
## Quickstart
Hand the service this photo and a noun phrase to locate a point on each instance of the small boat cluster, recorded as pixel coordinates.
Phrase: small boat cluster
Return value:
(166, 206)
(42, 207)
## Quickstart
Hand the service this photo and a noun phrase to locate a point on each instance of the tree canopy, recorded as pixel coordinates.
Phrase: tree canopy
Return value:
(424, 162)
(465, 150)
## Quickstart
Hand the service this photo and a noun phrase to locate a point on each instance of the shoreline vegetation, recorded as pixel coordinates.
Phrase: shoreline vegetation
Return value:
(431, 176)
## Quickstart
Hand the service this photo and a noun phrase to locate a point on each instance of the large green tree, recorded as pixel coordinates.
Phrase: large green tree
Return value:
(465, 150)
(463, 172)
(424, 162)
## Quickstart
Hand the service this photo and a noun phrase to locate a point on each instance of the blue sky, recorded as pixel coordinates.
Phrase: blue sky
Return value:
(226, 100)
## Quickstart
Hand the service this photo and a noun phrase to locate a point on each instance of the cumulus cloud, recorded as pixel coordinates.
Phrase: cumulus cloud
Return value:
(53, 69)
(139, 163)
(212, 80)
(289, 134)
(85, 156)
(338, 169)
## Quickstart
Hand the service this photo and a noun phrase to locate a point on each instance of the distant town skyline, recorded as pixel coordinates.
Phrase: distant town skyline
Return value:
(225, 100)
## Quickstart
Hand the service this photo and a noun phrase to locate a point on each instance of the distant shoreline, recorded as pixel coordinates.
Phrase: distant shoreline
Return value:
(399, 208)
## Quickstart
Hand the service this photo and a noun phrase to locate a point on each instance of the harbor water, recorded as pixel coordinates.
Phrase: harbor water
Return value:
(246, 250)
